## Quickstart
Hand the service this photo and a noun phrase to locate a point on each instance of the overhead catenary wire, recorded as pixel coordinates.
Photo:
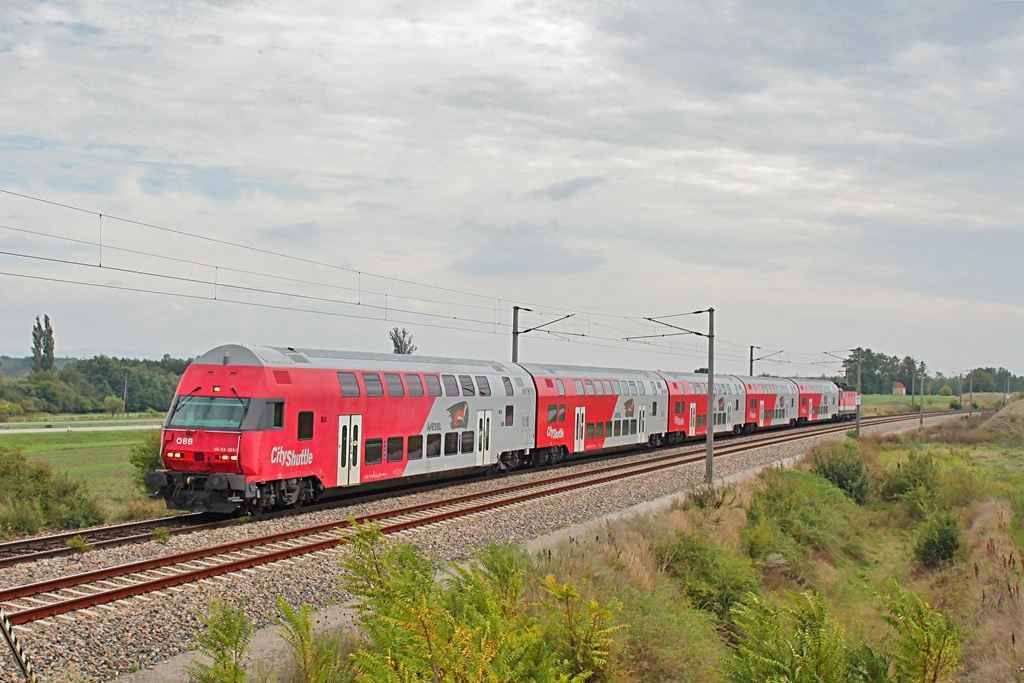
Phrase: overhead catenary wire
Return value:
(604, 320)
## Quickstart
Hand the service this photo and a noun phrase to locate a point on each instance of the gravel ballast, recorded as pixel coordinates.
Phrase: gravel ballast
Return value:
(138, 635)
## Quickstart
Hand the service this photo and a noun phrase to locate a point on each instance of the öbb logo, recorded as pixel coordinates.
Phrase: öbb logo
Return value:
(183, 441)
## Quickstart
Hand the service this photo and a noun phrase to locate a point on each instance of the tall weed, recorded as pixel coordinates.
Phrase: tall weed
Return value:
(840, 463)
(710, 577)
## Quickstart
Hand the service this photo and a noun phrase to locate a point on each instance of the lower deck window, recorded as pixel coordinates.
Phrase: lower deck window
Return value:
(415, 451)
(632, 426)
(618, 427)
(468, 439)
(396, 449)
(374, 453)
(433, 445)
(451, 443)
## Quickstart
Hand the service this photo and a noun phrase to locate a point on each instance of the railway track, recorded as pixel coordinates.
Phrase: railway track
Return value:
(98, 588)
(55, 545)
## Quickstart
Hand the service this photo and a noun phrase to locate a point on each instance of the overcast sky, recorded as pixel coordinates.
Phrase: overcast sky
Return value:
(825, 175)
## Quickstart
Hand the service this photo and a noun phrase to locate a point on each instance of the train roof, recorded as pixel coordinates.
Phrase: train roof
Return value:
(276, 356)
(553, 370)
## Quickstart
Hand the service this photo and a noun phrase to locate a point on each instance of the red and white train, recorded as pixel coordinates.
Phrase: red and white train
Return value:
(255, 428)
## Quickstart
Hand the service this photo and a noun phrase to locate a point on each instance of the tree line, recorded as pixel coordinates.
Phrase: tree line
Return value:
(84, 385)
(880, 371)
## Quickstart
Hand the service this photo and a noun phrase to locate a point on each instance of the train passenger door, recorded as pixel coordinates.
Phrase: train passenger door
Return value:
(483, 437)
(760, 414)
(642, 431)
(581, 427)
(693, 418)
(349, 435)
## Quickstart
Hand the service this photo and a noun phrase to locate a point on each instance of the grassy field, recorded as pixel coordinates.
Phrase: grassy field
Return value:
(100, 459)
(885, 404)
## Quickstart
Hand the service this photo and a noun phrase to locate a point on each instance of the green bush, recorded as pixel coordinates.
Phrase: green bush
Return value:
(842, 465)
(474, 626)
(928, 644)
(795, 512)
(711, 578)
(668, 641)
(34, 496)
(954, 405)
(917, 471)
(937, 539)
(145, 457)
(800, 643)
(225, 640)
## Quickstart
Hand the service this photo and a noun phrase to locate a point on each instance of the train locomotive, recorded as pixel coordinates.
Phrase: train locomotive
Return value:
(254, 428)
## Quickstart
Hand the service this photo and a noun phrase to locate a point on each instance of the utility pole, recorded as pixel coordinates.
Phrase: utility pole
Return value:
(125, 396)
(920, 423)
(972, 393)
(961, 386)
(709, 467)
(751, 373)
(515, 331)
(858, 392)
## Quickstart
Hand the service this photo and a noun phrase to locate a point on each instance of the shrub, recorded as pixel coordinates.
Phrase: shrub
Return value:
(917, 471)
(798, 511)
(842, 465)
(476, 626)
(954, 405)
(937, 539)
(708, 497)
(145, 457)
(34, 496)
(711, 578)
(225, 641)
(796, 642)
(315, 655)
(668, 641)
(80, 544)
(946, 390)
(928, 644)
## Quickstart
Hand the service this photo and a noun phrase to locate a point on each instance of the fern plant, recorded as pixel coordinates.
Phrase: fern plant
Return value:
(797, 643)
(228, 632)
(928, 643)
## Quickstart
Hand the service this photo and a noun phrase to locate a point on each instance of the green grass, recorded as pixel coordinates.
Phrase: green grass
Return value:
(100, 459)
(882, 404)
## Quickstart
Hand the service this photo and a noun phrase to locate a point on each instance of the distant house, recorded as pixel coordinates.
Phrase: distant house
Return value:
(899, 389)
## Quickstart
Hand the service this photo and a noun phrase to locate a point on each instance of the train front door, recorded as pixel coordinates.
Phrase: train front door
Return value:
(350, 429)
(693, 418)
(760, 414)
(483, 437)
(581, 427)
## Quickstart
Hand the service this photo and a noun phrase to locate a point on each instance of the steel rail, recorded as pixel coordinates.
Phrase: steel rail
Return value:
(439, 512)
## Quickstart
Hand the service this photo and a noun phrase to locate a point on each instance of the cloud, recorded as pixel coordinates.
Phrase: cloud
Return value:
(523, 249)
(568, 189)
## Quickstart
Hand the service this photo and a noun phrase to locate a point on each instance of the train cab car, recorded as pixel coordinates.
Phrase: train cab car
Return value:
(584, 409)
(818, 400)
(264, 427)
(771, 402)
(848, 403)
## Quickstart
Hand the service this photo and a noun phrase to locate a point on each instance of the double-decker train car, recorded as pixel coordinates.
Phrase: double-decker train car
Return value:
(253, 428)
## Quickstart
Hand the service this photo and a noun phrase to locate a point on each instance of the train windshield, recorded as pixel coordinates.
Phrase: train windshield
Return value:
(208, 412)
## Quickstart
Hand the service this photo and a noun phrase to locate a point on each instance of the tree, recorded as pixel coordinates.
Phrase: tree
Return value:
(113, 405)
(42, 345)
(401, 339)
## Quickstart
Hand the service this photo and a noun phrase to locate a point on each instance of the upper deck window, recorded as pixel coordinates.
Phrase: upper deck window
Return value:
(433, 385)
(561, 387)
(349, 384)
(414, 384)
(508, 386)
(451, 385)
(208, 412)
(394, 382)
(371, 380)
